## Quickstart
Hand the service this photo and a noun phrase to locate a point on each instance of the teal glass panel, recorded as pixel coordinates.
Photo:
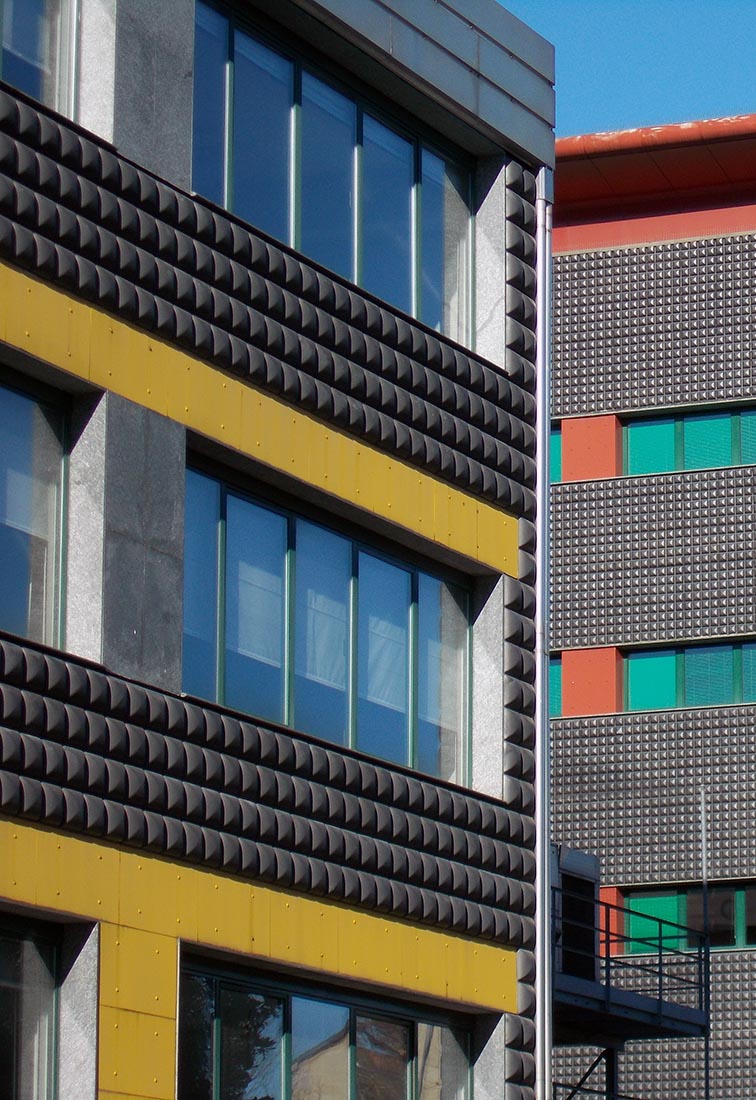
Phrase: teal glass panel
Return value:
(707, 441)
(444, 229)
(211, 32)
(649, 921)
(651, 679)
(748, 651)
(263, 99)
(650, 446)
(748, 436)
(30, 465)
(200, 652)
(327, 171)
(256, 540)
(383, 659)
(321, 632)
(709, 675)
(441, 677)
(387, 181)
(555, 686)
(319, 1050)
(251, 1041)
(555, 455)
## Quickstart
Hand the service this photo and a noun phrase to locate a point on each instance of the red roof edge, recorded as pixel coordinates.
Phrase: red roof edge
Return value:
(703, 131)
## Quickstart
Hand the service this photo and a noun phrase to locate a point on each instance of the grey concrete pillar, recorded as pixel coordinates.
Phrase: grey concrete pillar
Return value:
(124, 570)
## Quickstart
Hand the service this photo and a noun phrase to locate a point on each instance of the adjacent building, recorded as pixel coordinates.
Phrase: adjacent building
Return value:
(654, 677)
(268, 285)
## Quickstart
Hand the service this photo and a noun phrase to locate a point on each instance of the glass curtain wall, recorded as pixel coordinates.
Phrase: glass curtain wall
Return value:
(30, 490)
(292, 622)
(307, 163)
(36, 48)
(240, 1041)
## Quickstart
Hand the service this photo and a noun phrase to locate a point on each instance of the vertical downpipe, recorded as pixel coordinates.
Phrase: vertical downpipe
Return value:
(542, 747)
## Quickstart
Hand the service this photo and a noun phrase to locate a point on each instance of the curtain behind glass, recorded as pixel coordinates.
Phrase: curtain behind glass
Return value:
(27, 1023)
(35, 47)
(442, 677)
(30, 464)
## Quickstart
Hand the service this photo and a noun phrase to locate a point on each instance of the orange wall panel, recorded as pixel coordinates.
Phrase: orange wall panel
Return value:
(612, 921)
(591, 448)
(591, 681)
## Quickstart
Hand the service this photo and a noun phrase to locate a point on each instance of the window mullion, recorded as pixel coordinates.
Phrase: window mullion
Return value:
(295, 163)
(412, 701)
(286, 1046)
(220, 637)
(416, 199)
(289, 611)
(228, 122)
(352, 671)
(357, 190)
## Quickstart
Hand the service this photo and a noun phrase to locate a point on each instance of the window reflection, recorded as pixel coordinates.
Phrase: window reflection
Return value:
(35, 47)
(27, 1018)
(209, 136)
(200, 585)
(442, 1063)
(250, 1046)
(382, 1059)
(328, 137)
(445, 216)
(442, 652)
(30, 462)
(319, 1050)
(387, 178)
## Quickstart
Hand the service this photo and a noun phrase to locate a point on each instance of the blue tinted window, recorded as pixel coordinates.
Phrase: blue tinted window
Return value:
(200, 653)
(263, 98)
(328, 200)
(209, 134)
(33, 41)
(444, 237)
(387, 179)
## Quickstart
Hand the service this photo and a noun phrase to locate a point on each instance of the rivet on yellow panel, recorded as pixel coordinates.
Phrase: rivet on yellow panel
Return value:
(137, 1054)
(138, 971)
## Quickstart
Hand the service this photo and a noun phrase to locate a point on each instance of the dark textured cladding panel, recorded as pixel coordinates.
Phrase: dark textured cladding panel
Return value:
(520, 272)
(75, 213)
(652, 559)
(83, 750)
(655, 325)
(627, 787)
(675, 1069)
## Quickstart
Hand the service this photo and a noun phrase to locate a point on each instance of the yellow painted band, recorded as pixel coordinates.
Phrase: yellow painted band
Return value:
(70, 334)
(165, 901)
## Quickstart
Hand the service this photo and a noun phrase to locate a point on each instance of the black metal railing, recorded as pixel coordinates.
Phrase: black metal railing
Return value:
(657, 958)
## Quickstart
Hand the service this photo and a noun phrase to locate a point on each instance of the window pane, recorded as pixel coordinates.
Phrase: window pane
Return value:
(442, 659)
(383, 659)
(30, 461)
(321, 677)
(200, 585)
(750, 914)
(33, 46)
(748, 437)
(444, 232)
(209, 138)
(255, 612)
(721, 916)
(749, 672)
(250, 1055)
(328, 138)
(387, 179)
(650, 446)
(27, 1021)
(196, 1014)
(709, 675)
(263, 82)
(555, 456)
(707, 440)
(382, 1059)
(555, 686)
(442, 1063)
(651, 680)
(319, 1050)
(645, 934)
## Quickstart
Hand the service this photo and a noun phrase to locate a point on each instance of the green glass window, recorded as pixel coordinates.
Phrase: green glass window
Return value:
(308, 163)
(27, 1015)
(249, 1038)
(35, 46)
(748, 437)
(642, 926)
(294, 623)
(709, 675)
(651, 679)
(650, 446)
(707, 441)
(555, 455)
(555, 686)
(731, 917)
(31, 458)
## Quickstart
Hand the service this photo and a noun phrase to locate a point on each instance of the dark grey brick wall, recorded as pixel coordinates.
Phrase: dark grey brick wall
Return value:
(655, 325)
(652, 559)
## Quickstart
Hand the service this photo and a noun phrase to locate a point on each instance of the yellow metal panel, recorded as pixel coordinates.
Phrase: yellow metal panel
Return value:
(137, 1054)
(138, 971)
(86, 342)
(154, 895)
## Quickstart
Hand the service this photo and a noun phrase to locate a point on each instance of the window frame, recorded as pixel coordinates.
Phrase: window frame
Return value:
(368, 101)
(291, 509)
(287, 987)
(679, 652)
(65, 82)
(60, 405)
(680, 894)
(678, 421)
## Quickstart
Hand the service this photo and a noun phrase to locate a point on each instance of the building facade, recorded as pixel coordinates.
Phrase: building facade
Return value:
(267, 548)
(653, 547)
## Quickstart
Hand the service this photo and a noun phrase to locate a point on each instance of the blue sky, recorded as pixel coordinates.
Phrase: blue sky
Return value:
(625, 63)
